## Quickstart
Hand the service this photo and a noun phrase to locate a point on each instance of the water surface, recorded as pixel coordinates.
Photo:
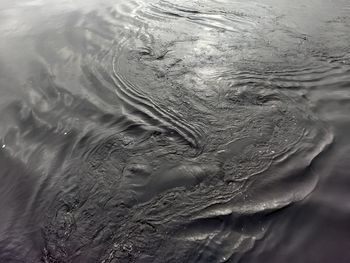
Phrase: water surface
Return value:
(174, 131)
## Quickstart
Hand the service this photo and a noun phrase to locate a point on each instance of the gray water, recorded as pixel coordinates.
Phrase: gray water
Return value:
(174, 131)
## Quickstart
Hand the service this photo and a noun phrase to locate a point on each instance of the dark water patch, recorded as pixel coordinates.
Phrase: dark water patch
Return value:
(255, 140)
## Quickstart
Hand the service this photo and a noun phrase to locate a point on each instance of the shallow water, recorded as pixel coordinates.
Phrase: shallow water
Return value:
(174, 131)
